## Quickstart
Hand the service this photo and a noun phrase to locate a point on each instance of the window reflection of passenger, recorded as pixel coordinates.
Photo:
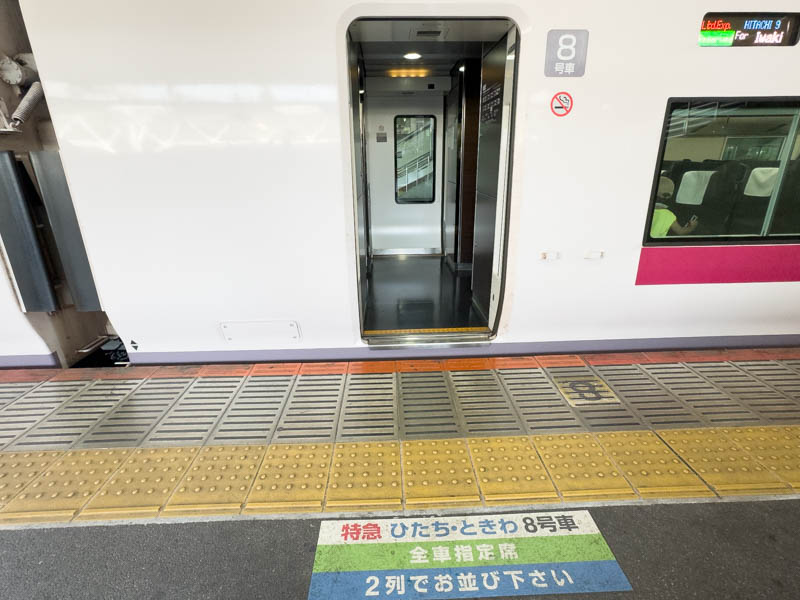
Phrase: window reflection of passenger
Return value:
(664, 220)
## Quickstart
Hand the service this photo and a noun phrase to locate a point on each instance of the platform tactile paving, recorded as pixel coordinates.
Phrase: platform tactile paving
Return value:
(781, 375)
(709, 402)
(655, 406)
(292, 478)
(217, 482)
(369, 408)
(793, 364)
(777, 448)
(768, 403)
(580, 468)
(252, 415)
(18, 469)
(365, 476)
(722, 463)
(10, 391)
(651, 466)
(312, 410)
(509, 471)
(70, 421)
(482, 403)
(426, 406)
(133, 418)
(191, 419)
(142, 484)
(24, 414)
(542, 408)
(65, 486)
(438, 472)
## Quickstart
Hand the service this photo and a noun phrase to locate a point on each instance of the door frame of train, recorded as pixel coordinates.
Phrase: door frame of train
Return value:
(500, 267)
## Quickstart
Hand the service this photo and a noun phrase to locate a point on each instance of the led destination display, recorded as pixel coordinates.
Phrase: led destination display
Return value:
(749, 29)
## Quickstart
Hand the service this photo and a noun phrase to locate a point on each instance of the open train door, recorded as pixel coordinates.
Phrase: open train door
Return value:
(498, 67)
(356, 75)
(426, 93)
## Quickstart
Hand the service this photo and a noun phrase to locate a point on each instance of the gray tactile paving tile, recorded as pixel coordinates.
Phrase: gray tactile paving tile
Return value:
(654, 404)
(426, 406)
(130, 422)
(793, 364)
(385, 406)
(253, 414)
(540, 405)
(312, 410)
(778, 374)
(369, 408)
(483, 405)
(22, 415)
(70, 421)
(715, 407)
(192, 418)
(12, 391)
(768, 403)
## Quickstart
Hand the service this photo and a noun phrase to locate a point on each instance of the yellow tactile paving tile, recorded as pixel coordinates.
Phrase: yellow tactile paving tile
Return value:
(292, 478)
(651, 466)
(510, 471)
(438, 473)
(581, 469)
(777, 448)
(141, 486)
(18, 469)
(217, 482)
(65, 486)
(722, 463)
(365, 476)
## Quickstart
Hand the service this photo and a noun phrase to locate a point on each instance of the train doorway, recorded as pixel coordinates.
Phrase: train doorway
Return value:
(432, 122)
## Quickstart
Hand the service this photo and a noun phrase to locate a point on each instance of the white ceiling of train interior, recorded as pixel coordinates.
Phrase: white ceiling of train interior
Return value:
(440, 42)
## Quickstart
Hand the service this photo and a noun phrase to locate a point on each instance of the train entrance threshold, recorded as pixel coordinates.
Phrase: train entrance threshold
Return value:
(642, 450)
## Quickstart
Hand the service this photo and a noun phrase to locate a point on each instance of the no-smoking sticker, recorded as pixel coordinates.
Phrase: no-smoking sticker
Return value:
(561, 104)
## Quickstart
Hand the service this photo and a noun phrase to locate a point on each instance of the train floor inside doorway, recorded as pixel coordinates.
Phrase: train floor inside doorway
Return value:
(409, 293)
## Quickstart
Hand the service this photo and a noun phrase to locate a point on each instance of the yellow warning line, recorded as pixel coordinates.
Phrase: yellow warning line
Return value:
(124, 483)
(424, 331)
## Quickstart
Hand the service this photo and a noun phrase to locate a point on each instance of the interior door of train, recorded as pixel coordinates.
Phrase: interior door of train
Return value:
(356, 74)
(498, 68)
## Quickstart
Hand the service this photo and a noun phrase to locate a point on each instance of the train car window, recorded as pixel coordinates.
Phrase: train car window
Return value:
(414, 158)
(729, 170)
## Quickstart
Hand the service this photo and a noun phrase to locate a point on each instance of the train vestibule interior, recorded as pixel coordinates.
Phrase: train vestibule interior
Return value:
(432, 118)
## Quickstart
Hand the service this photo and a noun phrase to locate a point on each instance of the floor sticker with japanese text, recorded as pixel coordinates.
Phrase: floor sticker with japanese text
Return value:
(478, 556)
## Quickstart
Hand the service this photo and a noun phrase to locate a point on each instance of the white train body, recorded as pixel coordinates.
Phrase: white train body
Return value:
(208, 150)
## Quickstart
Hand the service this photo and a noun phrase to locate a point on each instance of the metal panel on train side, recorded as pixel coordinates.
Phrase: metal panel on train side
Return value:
(66, 231)
(20, 241)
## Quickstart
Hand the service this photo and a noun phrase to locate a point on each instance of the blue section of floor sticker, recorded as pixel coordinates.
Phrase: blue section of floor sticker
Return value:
(472, 582)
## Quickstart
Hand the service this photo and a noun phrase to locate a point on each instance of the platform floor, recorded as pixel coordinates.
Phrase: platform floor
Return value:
(742, 550)
(160, 442)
